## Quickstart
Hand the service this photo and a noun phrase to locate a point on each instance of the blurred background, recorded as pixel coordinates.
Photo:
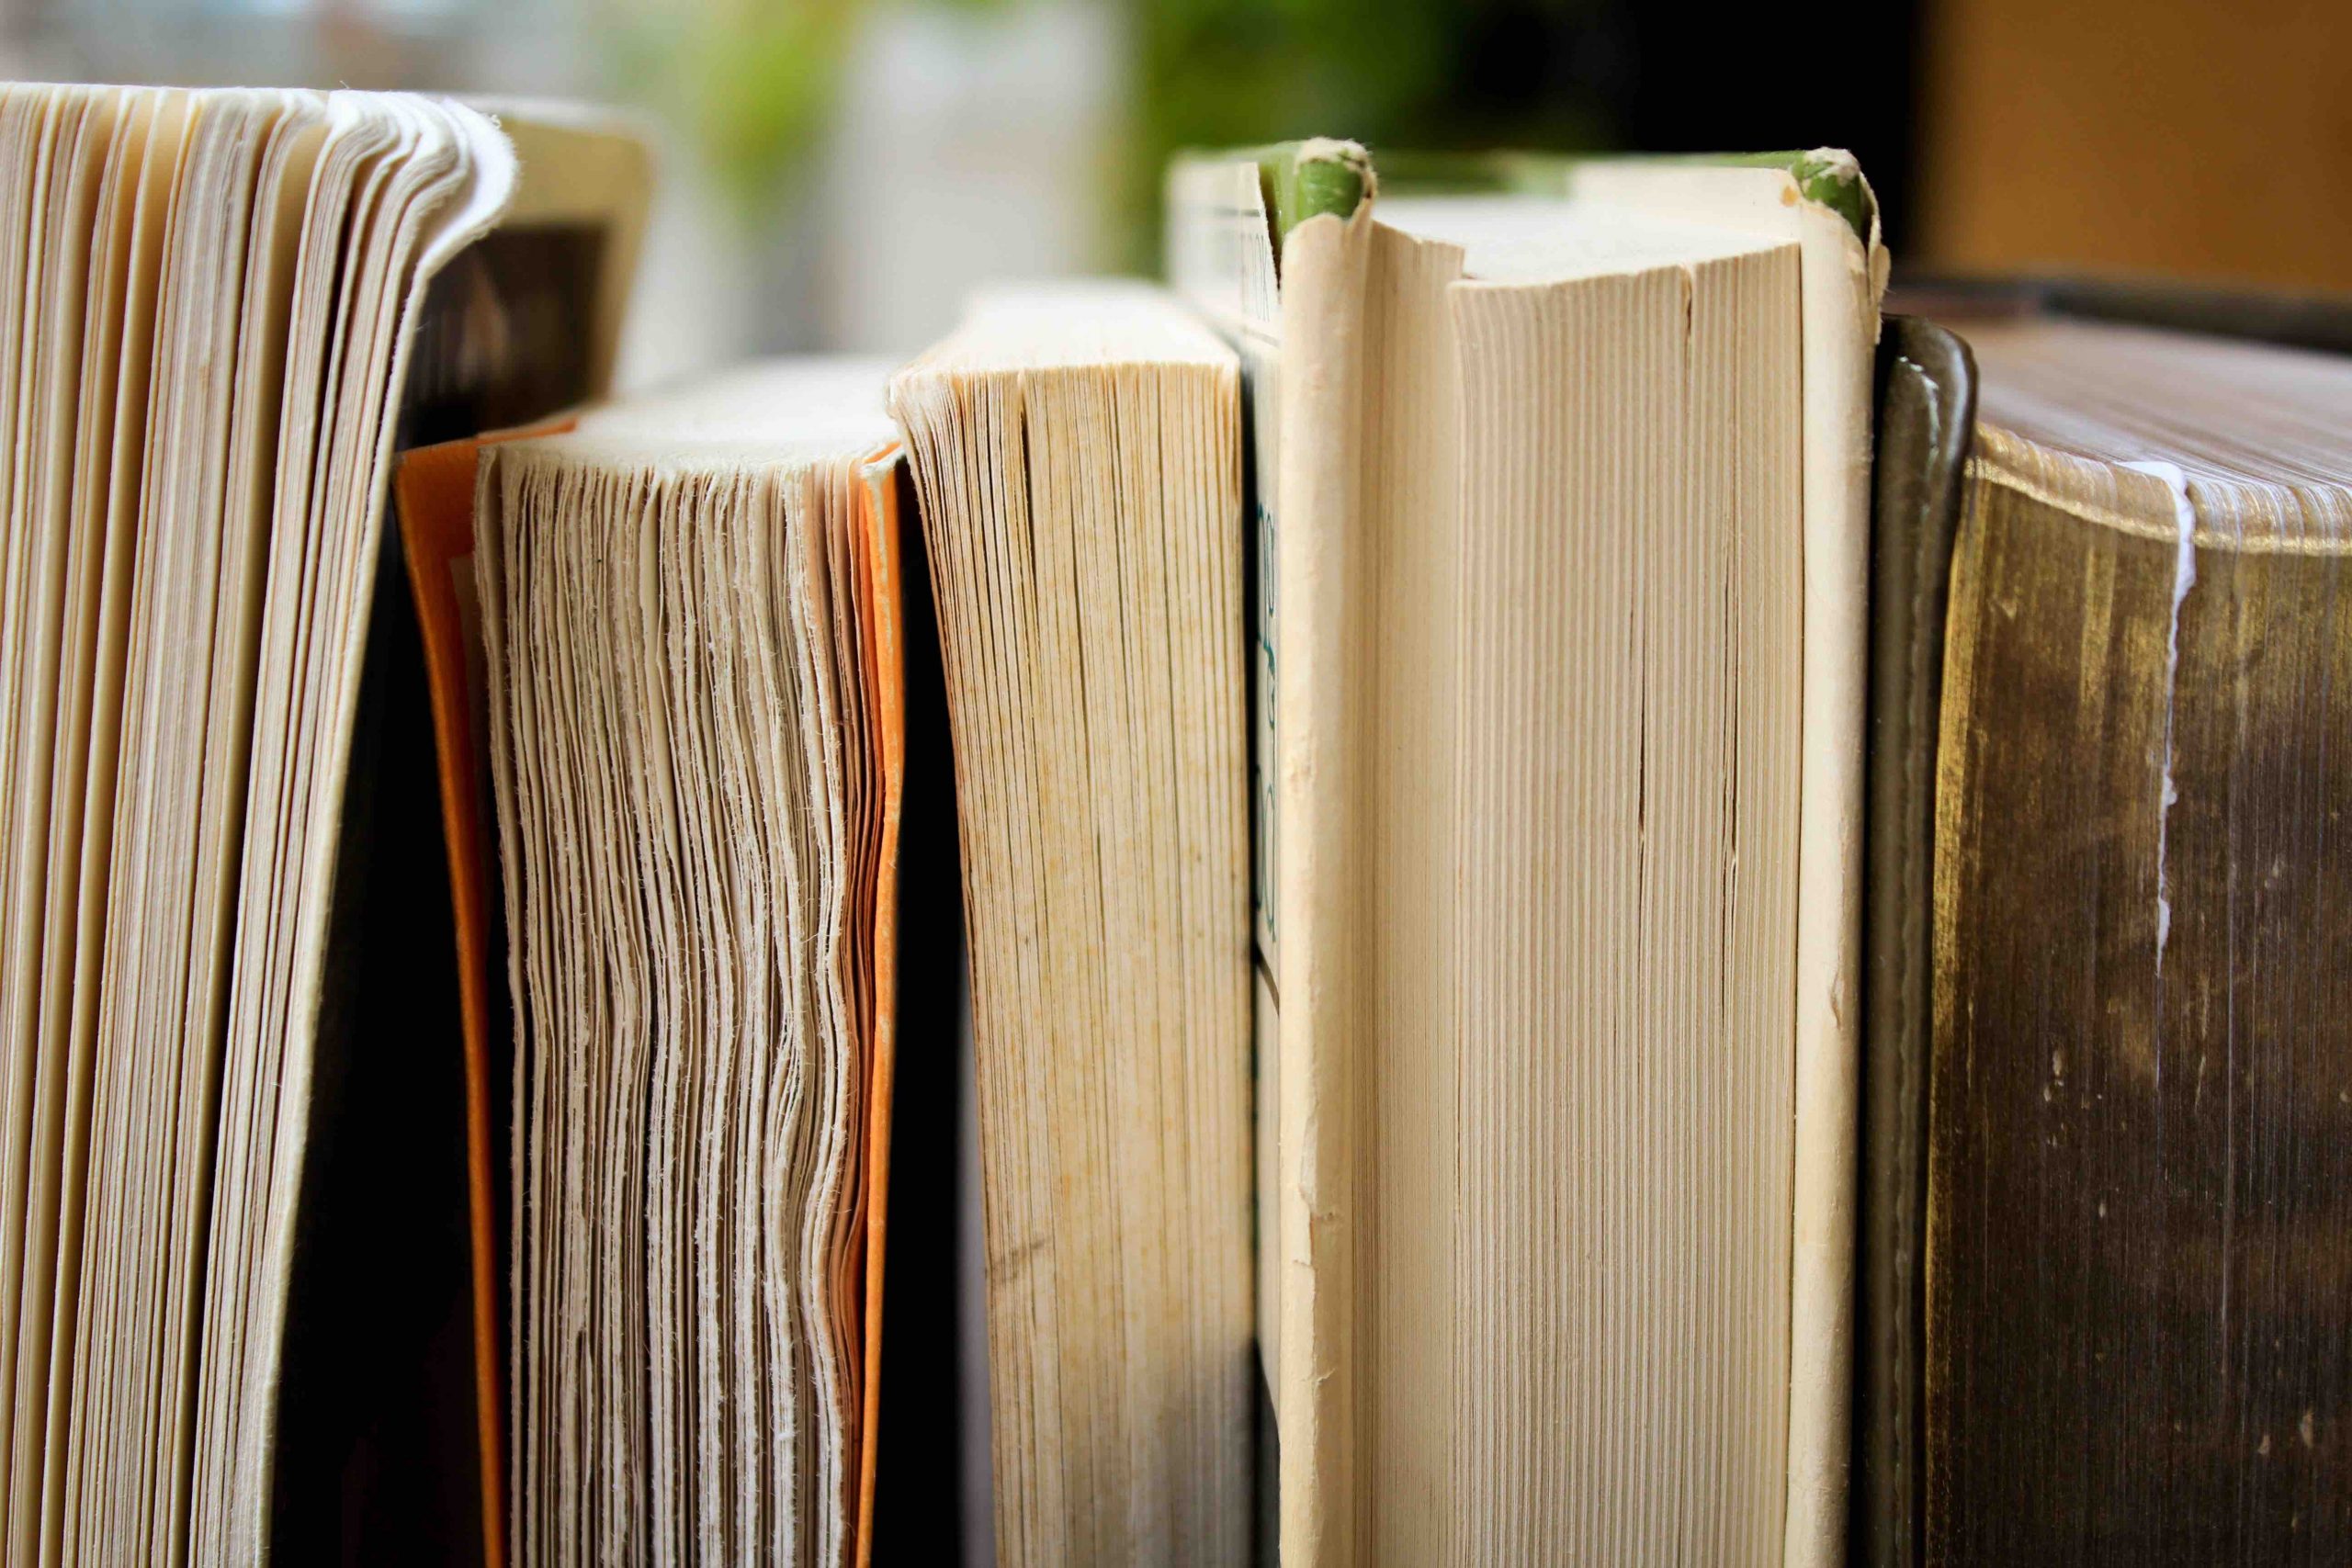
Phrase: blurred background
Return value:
(837, 174)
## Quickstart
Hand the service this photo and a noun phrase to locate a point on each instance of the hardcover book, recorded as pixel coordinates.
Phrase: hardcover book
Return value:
(1559, 484)
(2102, 1195)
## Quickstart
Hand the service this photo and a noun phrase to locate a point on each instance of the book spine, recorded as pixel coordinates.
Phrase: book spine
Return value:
(1926, 416)
(1841, 276)
(1322, 754)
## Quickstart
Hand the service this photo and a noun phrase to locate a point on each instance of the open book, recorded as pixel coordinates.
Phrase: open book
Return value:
(219, 1331)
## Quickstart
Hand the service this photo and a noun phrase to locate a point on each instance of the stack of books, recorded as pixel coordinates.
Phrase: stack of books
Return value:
(1615, 906)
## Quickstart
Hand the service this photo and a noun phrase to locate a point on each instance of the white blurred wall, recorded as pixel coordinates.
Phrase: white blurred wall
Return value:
(969, 143)
(972, 146)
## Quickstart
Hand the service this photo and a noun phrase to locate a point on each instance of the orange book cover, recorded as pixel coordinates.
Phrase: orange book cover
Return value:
(879, 544)
(434, 494)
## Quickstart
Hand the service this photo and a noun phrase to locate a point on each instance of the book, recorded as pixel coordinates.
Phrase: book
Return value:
(1560, 490)
(226, 308)
(1078, 455)
(691, 610)
(2105, 1208)
(1926, 411)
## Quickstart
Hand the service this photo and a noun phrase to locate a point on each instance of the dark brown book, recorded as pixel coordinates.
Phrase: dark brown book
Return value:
(1927, 404)
(2106, 1242)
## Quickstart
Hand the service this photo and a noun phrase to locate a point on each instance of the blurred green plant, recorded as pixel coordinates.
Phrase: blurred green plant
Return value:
(751, 82)
(754, 81)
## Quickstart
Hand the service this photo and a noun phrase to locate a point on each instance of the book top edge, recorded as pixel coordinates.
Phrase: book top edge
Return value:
(1317, 175)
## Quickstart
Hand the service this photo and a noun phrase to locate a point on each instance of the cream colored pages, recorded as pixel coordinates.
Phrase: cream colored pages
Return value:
(140, 168)
(1564, 497)
(178, 809)
(688, 799)
(1844, 275)
(453, 176)
(1581, 507)
(1078, 456)
(1222, 260)
(53, 214)
(209, 297)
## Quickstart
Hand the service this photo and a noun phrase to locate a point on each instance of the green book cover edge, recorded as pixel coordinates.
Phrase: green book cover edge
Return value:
(1304, 179)
(1307, 179)
(1828, 176)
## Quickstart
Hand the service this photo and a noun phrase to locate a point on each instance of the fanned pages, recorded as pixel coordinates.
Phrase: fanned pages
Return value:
(1078, 456)
(1561, 542)
(207, 300)
(690, 608)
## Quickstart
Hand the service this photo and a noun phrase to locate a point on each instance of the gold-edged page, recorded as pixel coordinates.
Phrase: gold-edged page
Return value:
(2146, 582)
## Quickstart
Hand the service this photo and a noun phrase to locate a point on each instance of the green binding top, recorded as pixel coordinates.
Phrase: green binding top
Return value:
(1302, 179)
(1305, 180)
(1829, 176)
